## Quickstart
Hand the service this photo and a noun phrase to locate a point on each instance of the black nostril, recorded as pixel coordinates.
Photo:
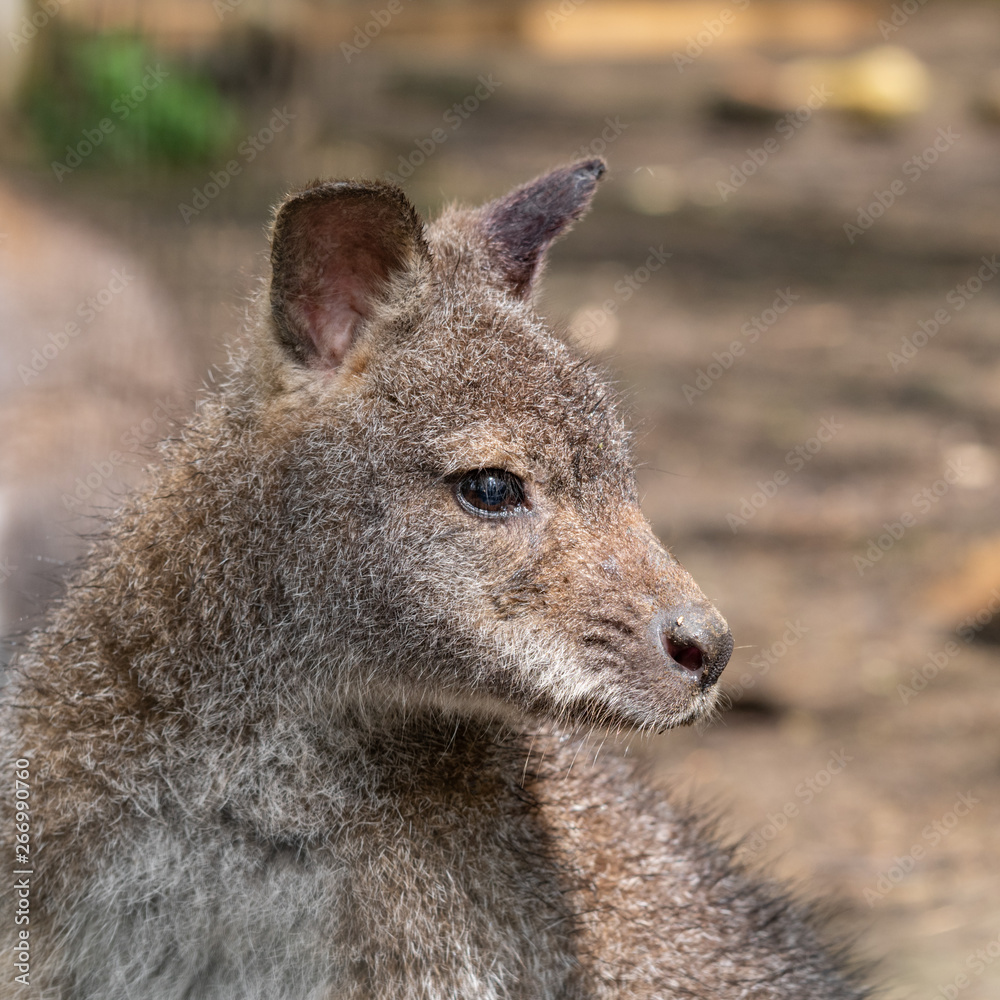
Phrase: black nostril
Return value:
(688, 656)
(695, 639)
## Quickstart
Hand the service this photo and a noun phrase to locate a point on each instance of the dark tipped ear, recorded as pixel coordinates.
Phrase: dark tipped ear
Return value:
(335, 249)
(523, 224)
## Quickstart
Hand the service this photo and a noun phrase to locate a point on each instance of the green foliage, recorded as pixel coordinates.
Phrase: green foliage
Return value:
(139, 108)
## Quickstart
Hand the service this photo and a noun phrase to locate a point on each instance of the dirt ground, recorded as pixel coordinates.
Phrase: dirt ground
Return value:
(816, 413)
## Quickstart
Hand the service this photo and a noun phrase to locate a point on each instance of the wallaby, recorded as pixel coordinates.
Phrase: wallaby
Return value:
(307, 722)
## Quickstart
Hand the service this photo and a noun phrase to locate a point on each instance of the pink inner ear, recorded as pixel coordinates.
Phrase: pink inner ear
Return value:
(334, 251)
(331, 312)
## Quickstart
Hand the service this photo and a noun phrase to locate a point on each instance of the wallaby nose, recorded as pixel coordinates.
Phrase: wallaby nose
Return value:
(696, 640)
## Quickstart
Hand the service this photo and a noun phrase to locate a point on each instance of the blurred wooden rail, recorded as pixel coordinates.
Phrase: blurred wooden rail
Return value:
(560, 28)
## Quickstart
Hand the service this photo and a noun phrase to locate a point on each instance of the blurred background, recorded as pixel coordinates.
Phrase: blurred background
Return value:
(789, 271)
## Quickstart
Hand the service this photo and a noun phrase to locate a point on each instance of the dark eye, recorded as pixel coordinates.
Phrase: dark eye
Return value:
(491, 493)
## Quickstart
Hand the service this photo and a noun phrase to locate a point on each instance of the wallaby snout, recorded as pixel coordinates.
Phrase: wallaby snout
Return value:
(647, 639)
(696, 639)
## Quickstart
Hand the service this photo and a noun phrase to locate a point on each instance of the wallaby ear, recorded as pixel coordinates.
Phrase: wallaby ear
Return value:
(522, 225)
(335, 249)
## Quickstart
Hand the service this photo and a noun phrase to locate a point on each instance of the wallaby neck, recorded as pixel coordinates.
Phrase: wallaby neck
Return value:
(414, 752)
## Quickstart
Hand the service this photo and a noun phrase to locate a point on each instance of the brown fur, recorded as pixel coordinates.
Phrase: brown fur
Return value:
(305, 727)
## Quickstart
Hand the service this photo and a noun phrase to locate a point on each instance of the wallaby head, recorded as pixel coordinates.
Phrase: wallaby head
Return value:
(463, 525)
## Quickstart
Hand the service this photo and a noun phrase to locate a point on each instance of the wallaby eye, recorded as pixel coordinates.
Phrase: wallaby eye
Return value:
(491, 493)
